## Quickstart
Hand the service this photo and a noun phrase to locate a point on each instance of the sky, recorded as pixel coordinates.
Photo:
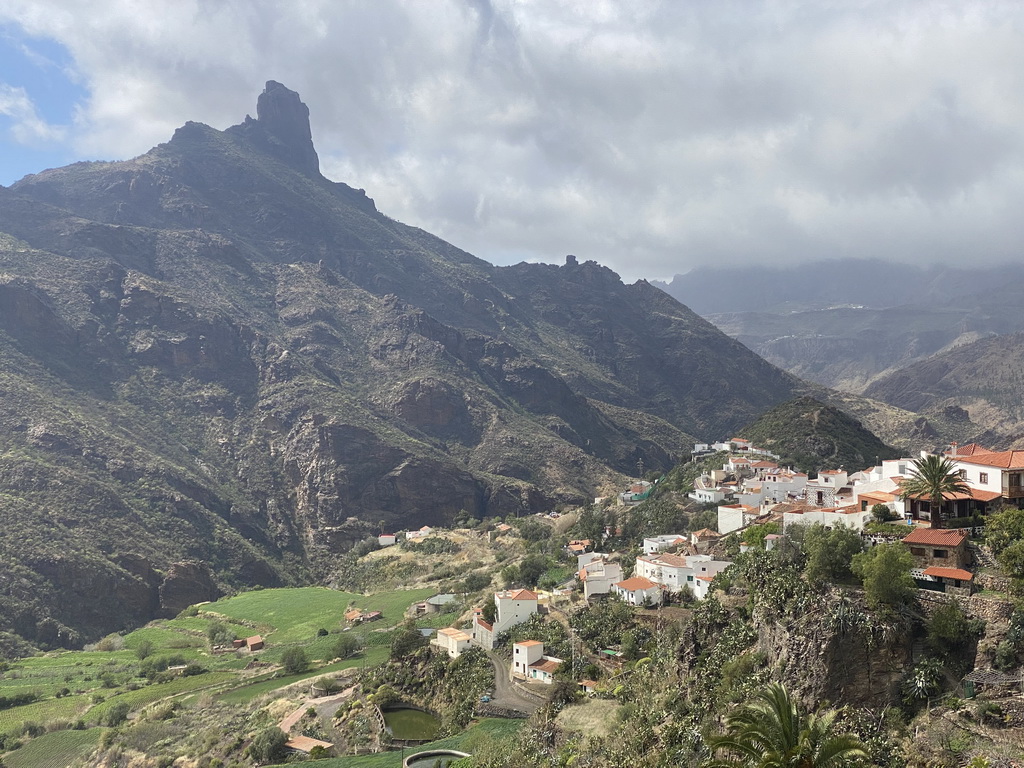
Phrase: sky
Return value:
(653, 137)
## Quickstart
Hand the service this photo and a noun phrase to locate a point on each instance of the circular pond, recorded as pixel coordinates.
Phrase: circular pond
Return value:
(411, 724)
(434, 757)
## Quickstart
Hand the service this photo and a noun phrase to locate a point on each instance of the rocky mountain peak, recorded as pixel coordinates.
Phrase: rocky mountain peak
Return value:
(281, 112)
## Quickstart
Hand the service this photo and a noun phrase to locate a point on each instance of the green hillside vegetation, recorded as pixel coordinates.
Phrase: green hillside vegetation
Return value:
(91, 687)
(812, 436)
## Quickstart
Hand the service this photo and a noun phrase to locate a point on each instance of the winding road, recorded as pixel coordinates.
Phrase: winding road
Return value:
(506, 695)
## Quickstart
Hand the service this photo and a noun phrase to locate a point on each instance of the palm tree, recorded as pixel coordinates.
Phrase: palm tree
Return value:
(937, 478)
(771, 733)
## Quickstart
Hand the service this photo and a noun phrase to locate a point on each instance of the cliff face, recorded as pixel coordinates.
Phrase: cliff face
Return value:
(213, 354)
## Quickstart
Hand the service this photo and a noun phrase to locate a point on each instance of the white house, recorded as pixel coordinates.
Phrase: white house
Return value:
(453, 640)
(673, 572)
(387, 539)
(422, 533)
(732, 517)
(530, 663)
(511, 607)
(707, 495)
(598, 576)
(639, 591)
(654, 544)
(702, 587)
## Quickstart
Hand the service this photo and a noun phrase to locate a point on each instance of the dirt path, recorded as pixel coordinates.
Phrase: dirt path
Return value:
(506, 695)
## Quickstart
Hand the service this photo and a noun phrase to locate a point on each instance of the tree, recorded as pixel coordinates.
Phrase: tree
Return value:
(771, 732)
(345, 646)
(489, 611)
(268, 745)
(937, 478)
(882, 514)
(143, 649)
(950, 629)
(830, 552)
(885, 571)
(1004, 527)
(294, 660)
(405, 640)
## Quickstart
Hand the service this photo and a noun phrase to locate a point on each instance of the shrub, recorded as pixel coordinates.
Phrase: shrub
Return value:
(345, 646)
(268, 746)
(294, 661)
(117, 714)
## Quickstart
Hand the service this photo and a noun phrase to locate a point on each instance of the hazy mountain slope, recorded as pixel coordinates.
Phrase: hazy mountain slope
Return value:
(212, 354)
(985, 378)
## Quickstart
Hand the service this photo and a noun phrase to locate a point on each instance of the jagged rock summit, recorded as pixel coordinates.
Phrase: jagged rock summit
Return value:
(284, 120)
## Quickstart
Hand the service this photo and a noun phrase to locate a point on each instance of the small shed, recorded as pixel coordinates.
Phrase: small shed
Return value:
(254, 643)
(238, 643)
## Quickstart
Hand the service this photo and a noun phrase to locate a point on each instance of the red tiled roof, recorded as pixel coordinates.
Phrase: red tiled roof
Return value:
(519, 594)
(673, 561)
(305, 743)
(707, 533)
(530, 643)
(588, 683)
(706, 578)
(1001, 459)
(969, 450)
(486, 625)
(938, 537)
(635, 583)
(547, 665)
(877, 496)
(975, 493)
(949, 573)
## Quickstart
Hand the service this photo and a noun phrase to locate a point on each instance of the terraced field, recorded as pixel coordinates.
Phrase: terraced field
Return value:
(87, 685)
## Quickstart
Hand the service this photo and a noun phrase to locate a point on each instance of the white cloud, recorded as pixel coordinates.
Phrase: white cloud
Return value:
(648, 135)
(26, 125)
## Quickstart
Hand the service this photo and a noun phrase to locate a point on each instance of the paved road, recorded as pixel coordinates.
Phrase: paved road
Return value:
(506, 695)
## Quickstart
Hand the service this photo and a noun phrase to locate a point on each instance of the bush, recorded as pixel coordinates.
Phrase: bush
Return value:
(885, 571)
(294, 661)
(268, 746)
(345, 646)
(143, 649)
(117, 714)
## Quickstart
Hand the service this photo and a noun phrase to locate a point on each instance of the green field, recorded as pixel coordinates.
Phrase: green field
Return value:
(67, 708)
(55, 750)
(151, 693)
(493, 728)
(286, 617)
(249, 692)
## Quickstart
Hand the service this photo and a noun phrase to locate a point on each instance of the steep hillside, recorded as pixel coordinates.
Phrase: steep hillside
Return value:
(218, 367)
(812, 436)
(984, 378)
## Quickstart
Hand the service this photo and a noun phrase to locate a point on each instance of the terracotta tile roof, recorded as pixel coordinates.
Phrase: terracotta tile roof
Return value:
(305, 744)
(765, 465)
(975, 493)
(673, 561)
(938, 537)
(877, 496)
(530, 643)
(588, 683)
(706, 578)
(1000, 459)
(453, 633)
(949, 573)
(548, 665)
(970, 450)
(486, 625)
(706, 533)
(519, 594)
(635, 583)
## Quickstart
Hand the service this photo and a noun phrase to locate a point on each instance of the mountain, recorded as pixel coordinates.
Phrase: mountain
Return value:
(812, 436)
(217, 367)
(984, 379)
(832, 283)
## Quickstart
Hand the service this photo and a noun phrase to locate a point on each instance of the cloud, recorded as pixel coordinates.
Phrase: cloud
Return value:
(26, 125)
(651, 136)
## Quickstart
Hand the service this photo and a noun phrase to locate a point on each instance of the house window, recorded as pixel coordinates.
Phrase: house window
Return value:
(917, 551)
(983, 477)
(689, 578)
(941, 553)
(963, 474)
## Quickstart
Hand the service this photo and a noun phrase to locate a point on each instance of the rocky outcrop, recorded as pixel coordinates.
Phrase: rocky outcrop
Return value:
(281, 112)
(186, 584)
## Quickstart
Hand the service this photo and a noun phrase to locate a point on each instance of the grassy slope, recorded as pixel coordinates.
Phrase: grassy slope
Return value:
(55, 750)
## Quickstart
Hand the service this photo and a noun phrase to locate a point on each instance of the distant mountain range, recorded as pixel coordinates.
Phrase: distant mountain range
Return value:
(217, 366)
(927, 340)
